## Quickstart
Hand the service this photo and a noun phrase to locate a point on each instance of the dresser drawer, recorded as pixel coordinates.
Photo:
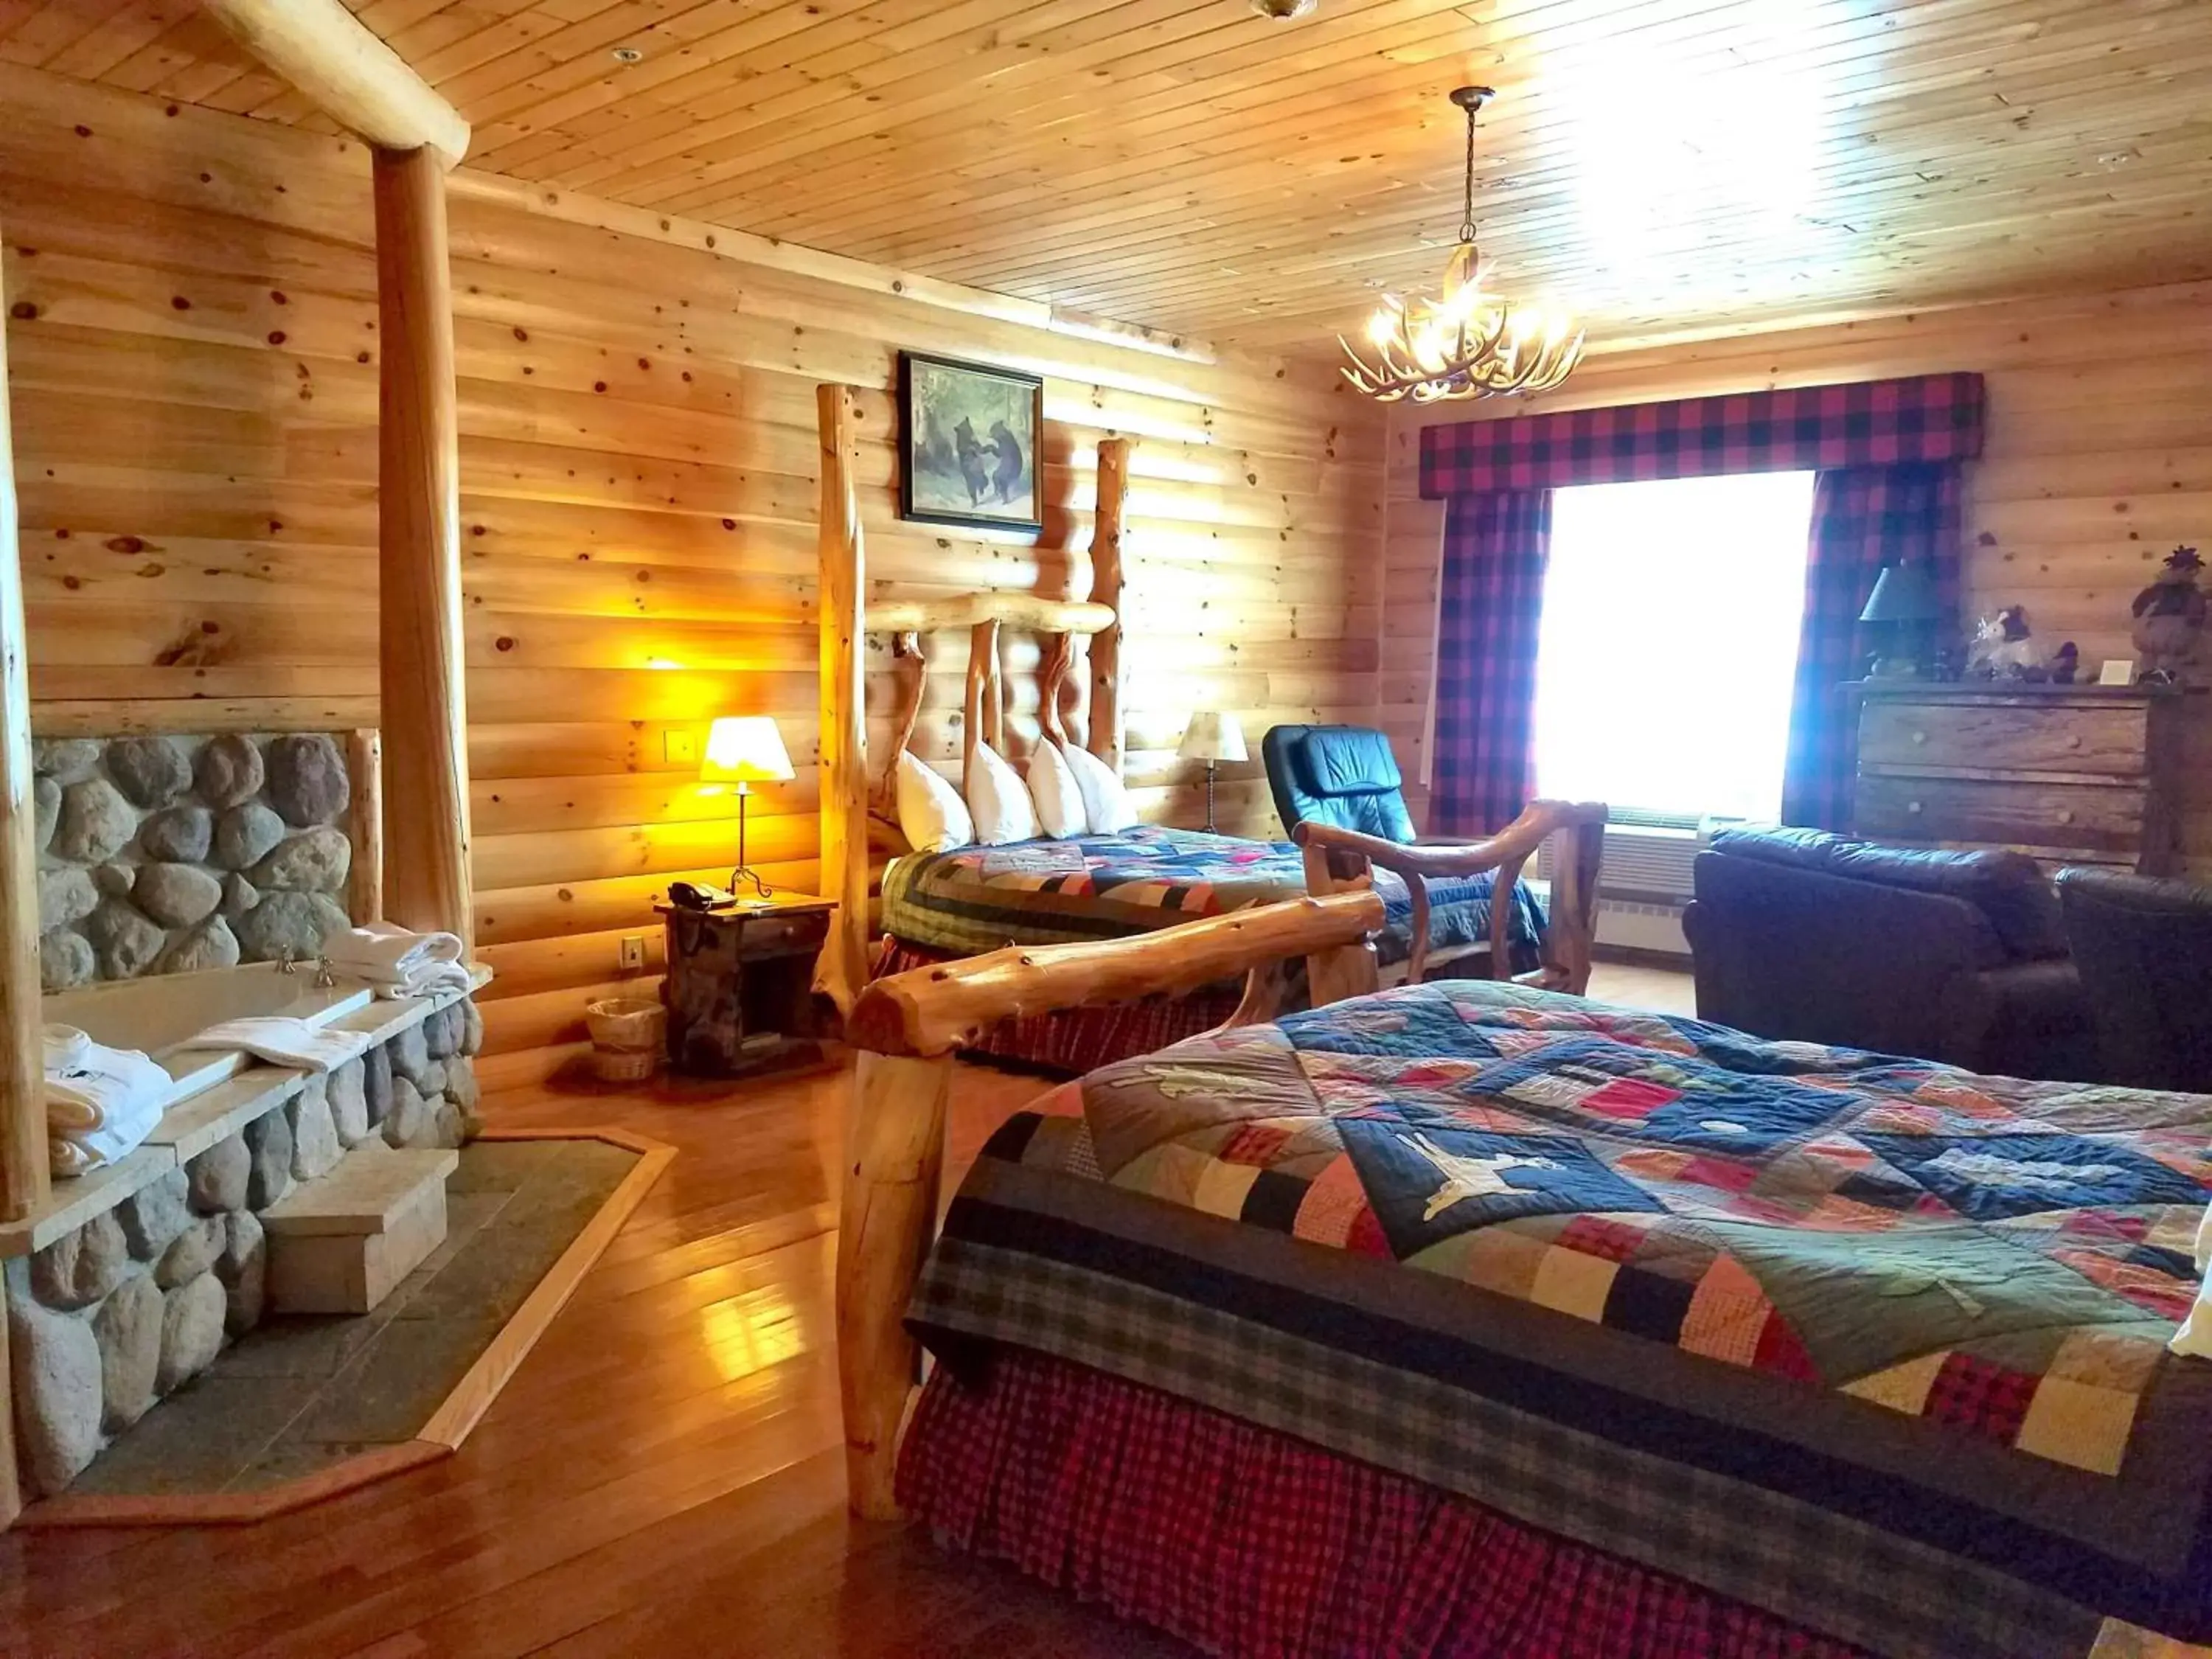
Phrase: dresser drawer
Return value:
(1995, 738)
(2105, 818)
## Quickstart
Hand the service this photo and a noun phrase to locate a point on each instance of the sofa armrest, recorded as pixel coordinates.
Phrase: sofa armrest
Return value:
(1793, 954)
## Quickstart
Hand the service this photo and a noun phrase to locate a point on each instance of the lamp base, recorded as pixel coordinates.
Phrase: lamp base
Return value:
(744, 872)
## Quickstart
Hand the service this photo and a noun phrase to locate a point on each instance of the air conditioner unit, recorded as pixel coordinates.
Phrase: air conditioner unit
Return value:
(1647, 878)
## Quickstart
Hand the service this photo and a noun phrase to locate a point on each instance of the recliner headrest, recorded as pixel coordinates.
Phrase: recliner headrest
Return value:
(1346, 760)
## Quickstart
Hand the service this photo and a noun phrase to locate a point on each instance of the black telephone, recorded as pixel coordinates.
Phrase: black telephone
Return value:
(700, 896)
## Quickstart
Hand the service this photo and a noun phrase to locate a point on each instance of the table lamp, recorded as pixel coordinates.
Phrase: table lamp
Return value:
(1212, 736)
(1902, 605)
(745, 749)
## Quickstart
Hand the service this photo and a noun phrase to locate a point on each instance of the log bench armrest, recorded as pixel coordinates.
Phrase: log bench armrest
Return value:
(1339, 860)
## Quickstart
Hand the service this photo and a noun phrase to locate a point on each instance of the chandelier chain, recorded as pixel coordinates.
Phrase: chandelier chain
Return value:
(1467, 198)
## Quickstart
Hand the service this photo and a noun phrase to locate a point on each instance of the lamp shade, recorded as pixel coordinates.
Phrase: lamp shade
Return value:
(1212, 736)
(744, 748)
(1904, 593)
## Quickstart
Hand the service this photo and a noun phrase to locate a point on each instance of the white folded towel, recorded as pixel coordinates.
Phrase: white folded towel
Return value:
(65, 1045)
(121, 1132)
(286, 1042)
(431, 979)
(388, 954)
(102, 1086)
(101, 1103)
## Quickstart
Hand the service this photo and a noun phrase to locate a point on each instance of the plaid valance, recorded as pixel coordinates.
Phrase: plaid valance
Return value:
(1930, 417)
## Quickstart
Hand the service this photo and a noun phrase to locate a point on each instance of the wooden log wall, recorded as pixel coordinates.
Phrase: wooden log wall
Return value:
(2098, 461)
(191, 325)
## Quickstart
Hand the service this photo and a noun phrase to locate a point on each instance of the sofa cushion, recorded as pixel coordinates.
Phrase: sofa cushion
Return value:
(2008, 888)
(1796, 849)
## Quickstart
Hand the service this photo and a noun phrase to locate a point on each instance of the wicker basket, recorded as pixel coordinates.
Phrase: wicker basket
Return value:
(628, 1035)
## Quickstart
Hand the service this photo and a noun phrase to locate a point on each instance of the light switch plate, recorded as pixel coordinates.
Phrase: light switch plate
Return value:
(631, 952)
(680, 746)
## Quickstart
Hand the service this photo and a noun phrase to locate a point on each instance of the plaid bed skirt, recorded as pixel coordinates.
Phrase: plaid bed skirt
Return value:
(1246, 1542)
(1074, 1040)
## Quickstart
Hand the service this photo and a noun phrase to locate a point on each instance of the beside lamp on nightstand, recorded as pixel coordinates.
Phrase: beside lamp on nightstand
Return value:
(745, 749)
(1212, 737)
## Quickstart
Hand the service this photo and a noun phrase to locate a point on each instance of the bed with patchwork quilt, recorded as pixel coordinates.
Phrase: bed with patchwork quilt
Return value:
(940, 906)
(1693, 1342)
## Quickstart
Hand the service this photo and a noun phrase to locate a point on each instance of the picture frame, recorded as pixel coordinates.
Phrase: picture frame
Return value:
(968, 437)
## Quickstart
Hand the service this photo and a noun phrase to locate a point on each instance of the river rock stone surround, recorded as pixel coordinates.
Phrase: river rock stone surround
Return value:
(169, 854)
(134, 1303)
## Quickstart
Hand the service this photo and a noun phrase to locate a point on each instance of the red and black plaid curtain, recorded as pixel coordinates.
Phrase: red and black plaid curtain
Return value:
(1863, 517)
(1491, 603)
(1888, 453)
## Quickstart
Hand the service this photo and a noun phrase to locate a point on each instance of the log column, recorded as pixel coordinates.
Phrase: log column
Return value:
(843, 562)
(24, 1178)
(1106, 580)
(425, 707)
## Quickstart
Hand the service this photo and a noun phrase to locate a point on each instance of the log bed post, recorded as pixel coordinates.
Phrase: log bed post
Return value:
(842, 557)
(425, 705)
(910, 1026)
(1107, 579)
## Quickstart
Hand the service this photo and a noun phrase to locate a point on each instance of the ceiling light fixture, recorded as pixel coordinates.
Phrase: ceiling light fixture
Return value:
(1285, 11)
(1468, 342)
(627, 55)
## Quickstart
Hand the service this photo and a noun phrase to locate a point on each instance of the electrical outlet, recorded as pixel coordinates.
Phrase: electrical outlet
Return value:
(631, 952)
(680, 746)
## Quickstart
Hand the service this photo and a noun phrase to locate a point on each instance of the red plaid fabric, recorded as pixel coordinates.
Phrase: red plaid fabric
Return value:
(1247, 1542)
(1982, 1397)
(1496, 547)
(1863, 517)
(1933, 417)
(1078, 1040)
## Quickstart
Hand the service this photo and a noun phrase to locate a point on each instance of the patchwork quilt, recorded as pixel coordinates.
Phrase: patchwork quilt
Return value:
(1058, 892)
(1872, 1342)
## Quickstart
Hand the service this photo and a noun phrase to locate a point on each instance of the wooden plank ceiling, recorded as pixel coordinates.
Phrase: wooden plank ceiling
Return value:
(1659, 166)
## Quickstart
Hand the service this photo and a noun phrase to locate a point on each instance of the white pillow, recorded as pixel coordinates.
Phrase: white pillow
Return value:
(931, 813)
(1106, 806)
(2195, 1336)
(1060, 809)
(999, 800)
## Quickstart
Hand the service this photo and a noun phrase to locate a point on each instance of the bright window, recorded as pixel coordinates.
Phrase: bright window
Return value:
(1670, 643)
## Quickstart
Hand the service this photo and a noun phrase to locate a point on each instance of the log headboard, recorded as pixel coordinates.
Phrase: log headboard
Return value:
(849, 794)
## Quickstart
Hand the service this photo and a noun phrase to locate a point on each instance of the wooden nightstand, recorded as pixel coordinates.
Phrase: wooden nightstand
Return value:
(740, 983)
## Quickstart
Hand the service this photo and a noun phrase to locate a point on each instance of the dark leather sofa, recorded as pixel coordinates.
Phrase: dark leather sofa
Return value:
(2144, 947)
(1955, 956)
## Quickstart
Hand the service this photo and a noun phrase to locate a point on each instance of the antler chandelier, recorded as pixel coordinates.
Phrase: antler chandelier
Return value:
(1469, 343)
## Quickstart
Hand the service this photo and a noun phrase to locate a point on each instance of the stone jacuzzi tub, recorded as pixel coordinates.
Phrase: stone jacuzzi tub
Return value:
(130, 1279)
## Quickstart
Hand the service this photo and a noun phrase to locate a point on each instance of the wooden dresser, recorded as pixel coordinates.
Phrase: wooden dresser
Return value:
(2069, 773)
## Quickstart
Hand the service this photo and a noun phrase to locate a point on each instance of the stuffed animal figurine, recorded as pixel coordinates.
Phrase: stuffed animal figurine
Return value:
(2065, 664)
(2002, 649)
(2170, 616)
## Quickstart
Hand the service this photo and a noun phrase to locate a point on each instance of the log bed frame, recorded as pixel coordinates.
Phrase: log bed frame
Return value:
(414, 136)
(849, 799)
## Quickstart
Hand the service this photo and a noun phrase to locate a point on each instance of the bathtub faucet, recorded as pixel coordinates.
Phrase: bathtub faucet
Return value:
(325, 977)
(287, 961)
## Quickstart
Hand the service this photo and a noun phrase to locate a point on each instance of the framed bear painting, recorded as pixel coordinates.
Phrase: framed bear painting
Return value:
(971, 435)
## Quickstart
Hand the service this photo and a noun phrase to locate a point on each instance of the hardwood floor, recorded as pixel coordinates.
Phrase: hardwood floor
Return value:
(664, 1476)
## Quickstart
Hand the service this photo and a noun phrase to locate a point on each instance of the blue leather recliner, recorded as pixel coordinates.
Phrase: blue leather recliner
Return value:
(1340, 775)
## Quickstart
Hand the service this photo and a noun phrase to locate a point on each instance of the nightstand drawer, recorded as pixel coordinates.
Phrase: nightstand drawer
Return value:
(1994, 738)
(800, 930)
(2098, 817)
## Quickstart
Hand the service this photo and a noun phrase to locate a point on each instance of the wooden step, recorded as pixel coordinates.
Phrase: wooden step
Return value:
(339, 1244)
